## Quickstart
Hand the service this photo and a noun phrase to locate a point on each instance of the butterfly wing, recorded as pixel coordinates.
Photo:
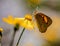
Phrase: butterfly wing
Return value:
(43, 22)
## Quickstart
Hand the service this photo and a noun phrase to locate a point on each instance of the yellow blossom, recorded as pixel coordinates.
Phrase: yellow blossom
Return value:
(11, 20)
(1, 30)
(33, 3)
(25, 22)
(37, 2)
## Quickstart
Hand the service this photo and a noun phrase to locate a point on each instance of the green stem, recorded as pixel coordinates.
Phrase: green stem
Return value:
(16, 28)
(0, 41)
(20, 36)
(11, 44)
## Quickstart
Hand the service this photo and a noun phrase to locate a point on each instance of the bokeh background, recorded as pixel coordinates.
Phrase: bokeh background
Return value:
(18, 8)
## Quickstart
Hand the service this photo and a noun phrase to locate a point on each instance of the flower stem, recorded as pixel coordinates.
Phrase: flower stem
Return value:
(0, 40)
(20, 36)
(11, 44)
(16, 28)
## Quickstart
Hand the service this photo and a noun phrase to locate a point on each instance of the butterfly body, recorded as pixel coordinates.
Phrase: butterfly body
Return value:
(43, 22)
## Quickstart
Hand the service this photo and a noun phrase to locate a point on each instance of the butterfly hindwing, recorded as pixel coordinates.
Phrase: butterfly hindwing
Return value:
(43, 22)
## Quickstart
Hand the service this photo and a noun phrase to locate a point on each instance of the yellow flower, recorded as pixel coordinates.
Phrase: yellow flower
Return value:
(25, 22)
(37, 2)
(11, 20)
(33, 3)
(1, 30)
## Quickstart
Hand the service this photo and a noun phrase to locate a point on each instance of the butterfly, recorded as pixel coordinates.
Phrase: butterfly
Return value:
(43, 22)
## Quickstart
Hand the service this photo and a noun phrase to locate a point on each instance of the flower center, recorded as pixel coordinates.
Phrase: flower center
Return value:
(28, 19)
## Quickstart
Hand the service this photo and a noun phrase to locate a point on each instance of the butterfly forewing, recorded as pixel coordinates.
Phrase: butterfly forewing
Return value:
(43, 22)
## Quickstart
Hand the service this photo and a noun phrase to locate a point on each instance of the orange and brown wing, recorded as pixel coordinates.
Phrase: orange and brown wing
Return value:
(43, 22)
